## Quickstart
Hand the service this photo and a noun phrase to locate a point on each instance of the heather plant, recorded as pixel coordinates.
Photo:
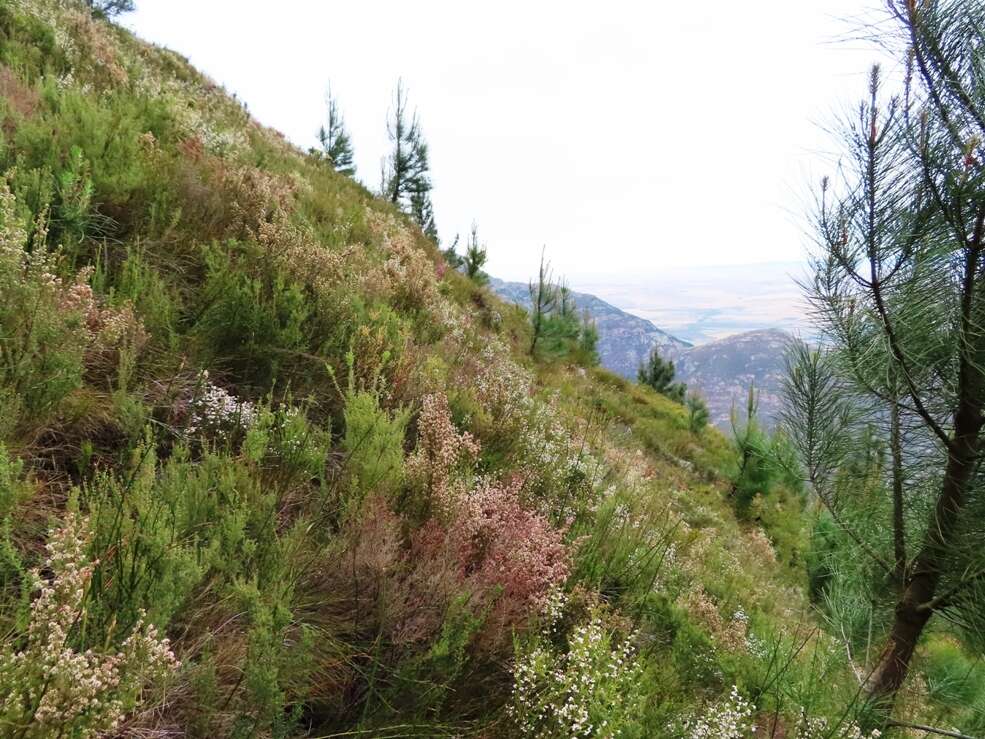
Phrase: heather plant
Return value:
(255, 325)
(214, 412)
(43, 320)
(51, 684)
(442, 453)
(287, 445)
(727, 718)
(591, 687)
(373, 445)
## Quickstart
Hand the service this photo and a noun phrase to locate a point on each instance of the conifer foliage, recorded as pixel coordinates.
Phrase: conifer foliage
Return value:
(110, 8)
(334, 138)
(406, 175)
(899, 290)
(658, 373)
(475, 257)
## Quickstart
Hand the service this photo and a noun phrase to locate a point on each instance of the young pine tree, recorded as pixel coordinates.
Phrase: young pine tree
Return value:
(405, 176)
(475, 257)
(423, 212)
(697, 413)
(109, 8)
(543, 301)
(451, 254)
(335, 142)
(659, 374)
(899, 288)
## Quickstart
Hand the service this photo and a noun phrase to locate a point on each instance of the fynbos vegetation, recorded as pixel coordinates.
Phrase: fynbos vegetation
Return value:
(272, 464)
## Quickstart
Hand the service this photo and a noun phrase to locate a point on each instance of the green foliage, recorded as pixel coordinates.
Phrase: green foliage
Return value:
(254, 325)
(43, 336)
(659, 374)
(558, 329)
(406, 178)
(591, 685)
(295, 607)
(154, 299)
(697, 413)
(334, 139)
(110, 7)
(475, 258)
(14, 491)
(373, 445)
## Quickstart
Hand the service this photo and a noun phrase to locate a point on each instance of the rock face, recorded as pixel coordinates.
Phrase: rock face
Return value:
(723, 370)
(625, 340)
(720, 371)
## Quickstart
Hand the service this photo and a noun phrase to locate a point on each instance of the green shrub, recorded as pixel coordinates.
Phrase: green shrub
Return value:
(590, 687)
(43, 336)
(373, 446)
(252, 326)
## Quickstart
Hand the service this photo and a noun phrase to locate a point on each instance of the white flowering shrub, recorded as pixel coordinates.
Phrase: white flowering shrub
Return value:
(820, 728)
(216, 412)
(728, 718)
(591, 690)
(47, 687)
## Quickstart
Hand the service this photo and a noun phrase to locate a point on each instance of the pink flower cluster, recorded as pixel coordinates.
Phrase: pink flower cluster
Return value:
(504, 553)
(441, 450)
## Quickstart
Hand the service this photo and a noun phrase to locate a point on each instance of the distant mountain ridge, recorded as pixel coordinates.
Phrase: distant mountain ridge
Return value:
(625, 340)
(721, 371)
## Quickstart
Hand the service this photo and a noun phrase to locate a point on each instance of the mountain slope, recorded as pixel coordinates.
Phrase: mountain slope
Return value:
(269, 469)
(724, 370)
(721, 371)
(625, 340)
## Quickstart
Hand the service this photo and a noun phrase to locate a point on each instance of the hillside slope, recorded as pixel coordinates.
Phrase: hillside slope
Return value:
(268, 468)
(625, 340)
(724, 370)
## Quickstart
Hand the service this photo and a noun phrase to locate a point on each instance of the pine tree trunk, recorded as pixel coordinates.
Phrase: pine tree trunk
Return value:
(916, 605)
(894, 664)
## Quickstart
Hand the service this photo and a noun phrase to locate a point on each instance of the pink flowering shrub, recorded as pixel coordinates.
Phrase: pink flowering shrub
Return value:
(506, 555)
(407, 276)
(52, 689)
(441, 451)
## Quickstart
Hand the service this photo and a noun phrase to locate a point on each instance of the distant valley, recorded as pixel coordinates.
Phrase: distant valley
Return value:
(702, 304)
(721, 370)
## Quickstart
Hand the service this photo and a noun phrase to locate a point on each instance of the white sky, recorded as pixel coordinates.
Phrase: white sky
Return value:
(627, 137)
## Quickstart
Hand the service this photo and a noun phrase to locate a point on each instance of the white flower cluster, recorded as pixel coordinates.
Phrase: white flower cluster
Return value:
(217, 411)
(819, 728)
(729, 718)
(53, 689)
(589, 691)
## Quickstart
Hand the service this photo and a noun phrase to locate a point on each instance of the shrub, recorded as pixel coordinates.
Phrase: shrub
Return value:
(52, 685)
(373, 446)
(441, 451)
(591, 688)
(43, 322)
(728, 718)
(507, 556)
(251, 325)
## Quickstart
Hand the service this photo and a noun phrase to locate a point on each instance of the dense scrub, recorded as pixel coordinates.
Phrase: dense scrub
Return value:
(269, 467)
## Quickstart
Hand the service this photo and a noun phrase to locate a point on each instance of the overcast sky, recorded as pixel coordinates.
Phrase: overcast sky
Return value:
(627, 137)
